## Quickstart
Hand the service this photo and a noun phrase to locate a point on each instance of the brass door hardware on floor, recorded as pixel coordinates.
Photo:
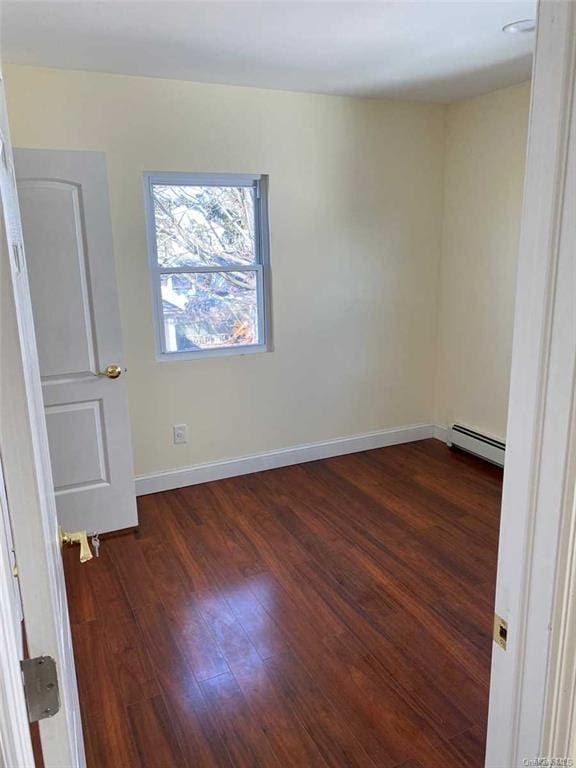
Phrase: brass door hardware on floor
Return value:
(77, 537)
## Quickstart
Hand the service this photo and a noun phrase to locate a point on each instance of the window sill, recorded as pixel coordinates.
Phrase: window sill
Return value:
(175, 357)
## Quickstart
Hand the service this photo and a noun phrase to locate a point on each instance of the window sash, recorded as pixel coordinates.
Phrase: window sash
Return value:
(239, 348)
(253, 182)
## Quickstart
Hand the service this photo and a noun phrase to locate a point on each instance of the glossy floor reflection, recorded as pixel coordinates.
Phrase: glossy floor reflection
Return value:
(336, 613)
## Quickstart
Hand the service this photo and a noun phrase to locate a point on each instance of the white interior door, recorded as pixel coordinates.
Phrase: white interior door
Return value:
(68, 241)
(30, 494)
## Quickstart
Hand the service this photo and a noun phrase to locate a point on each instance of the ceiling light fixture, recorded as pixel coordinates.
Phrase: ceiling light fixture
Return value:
(524, 25)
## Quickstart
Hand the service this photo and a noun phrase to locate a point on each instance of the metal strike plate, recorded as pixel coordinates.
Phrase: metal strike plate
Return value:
(500, 631)
(40, 687)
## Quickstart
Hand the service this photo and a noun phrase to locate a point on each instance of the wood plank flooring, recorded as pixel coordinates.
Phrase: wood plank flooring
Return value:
(332, 614)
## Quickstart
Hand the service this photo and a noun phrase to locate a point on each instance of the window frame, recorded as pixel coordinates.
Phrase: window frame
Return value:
(261, 265)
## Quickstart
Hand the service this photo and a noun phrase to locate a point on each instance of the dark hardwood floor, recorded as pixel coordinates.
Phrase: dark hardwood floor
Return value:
(336, 613)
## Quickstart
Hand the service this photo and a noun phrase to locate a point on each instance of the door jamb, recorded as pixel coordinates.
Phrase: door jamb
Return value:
(540, 474)
(15, 741)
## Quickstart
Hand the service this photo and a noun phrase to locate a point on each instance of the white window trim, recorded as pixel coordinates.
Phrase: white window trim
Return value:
(261, 265)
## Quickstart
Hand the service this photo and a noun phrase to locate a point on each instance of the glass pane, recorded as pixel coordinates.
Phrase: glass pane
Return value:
(203, 226)
(207, 310)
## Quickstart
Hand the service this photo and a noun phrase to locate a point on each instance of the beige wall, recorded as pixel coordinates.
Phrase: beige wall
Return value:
(484, 173)
(394, 230)
(356, 212)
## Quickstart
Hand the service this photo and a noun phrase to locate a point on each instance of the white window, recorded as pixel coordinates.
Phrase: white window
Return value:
(208, 245)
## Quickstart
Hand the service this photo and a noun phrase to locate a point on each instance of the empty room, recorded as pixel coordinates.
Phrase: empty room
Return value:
(269, 282)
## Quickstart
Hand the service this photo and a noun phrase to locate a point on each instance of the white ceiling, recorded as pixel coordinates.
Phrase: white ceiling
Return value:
(438, 51)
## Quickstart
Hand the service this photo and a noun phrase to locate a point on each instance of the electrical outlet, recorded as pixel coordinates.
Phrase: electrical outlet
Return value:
(180, 433)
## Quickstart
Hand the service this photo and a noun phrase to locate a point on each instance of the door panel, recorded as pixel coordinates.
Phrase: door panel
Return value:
(60, 287)
(68, 241)
(69, 424)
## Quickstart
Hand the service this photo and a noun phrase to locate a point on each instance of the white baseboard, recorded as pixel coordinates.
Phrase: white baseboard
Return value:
(441, 433)
(205, 473)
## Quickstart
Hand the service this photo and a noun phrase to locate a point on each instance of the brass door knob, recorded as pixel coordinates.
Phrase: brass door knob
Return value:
(112, 371)
(78, 537)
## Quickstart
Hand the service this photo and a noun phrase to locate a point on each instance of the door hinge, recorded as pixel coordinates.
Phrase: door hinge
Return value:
(500, 631)
(40, 687)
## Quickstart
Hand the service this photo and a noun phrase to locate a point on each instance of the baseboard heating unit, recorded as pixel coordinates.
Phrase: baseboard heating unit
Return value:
(486, 447)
